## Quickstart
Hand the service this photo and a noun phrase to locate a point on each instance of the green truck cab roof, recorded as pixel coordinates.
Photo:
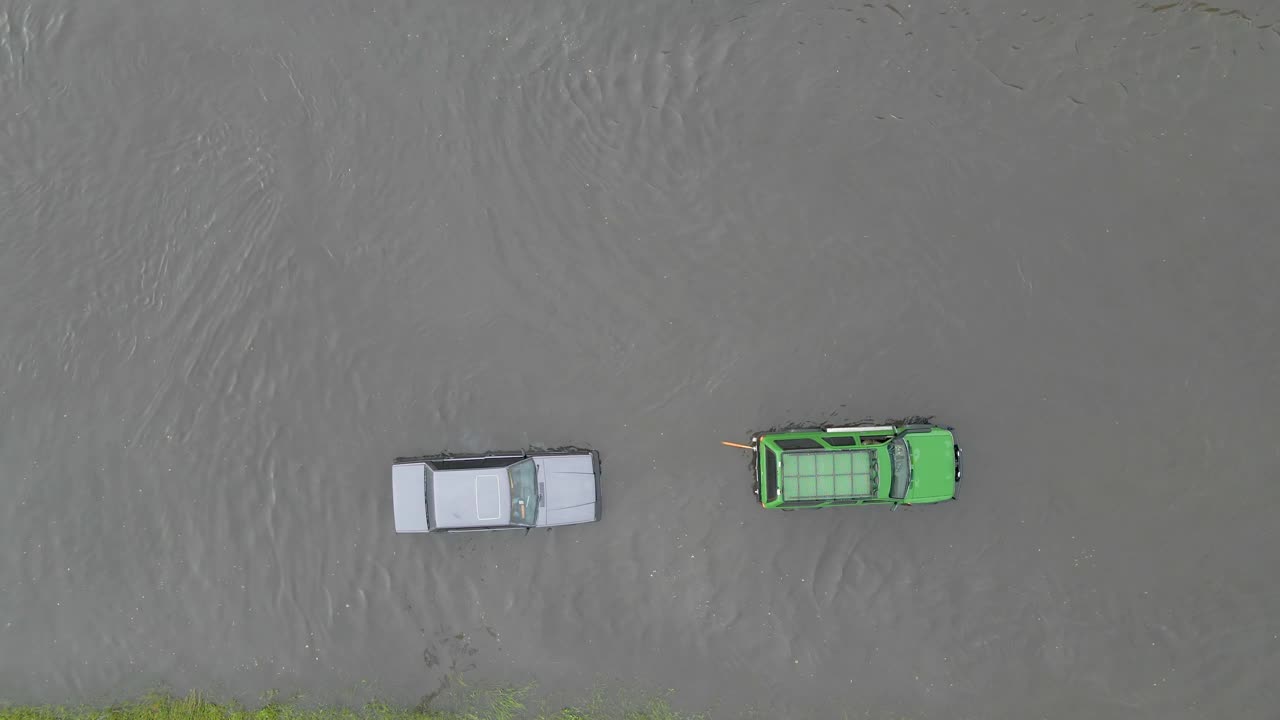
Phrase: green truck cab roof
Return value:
(884, 464)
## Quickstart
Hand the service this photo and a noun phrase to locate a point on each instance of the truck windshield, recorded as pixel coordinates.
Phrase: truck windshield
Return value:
(523, 477)
(901, 469)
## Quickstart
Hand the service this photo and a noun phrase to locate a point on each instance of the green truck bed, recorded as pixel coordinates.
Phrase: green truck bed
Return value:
(829, 475)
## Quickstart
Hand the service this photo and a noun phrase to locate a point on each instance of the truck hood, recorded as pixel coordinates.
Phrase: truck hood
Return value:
(409, 497)
(570, 489)
(933, 466)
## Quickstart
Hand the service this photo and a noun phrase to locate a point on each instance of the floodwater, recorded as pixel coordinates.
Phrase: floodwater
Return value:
(251, 252)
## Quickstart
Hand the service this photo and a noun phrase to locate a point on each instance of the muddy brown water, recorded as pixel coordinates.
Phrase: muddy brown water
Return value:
(248, 256)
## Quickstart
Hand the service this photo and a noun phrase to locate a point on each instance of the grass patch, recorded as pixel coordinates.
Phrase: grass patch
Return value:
(500, 704)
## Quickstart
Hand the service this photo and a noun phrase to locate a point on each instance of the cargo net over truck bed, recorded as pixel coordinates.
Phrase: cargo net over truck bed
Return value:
(829, 475)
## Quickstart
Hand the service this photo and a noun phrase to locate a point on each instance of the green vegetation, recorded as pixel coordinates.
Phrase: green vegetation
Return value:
(503, 704)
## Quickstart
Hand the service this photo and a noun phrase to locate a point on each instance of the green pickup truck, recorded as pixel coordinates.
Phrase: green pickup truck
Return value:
(867, 465)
